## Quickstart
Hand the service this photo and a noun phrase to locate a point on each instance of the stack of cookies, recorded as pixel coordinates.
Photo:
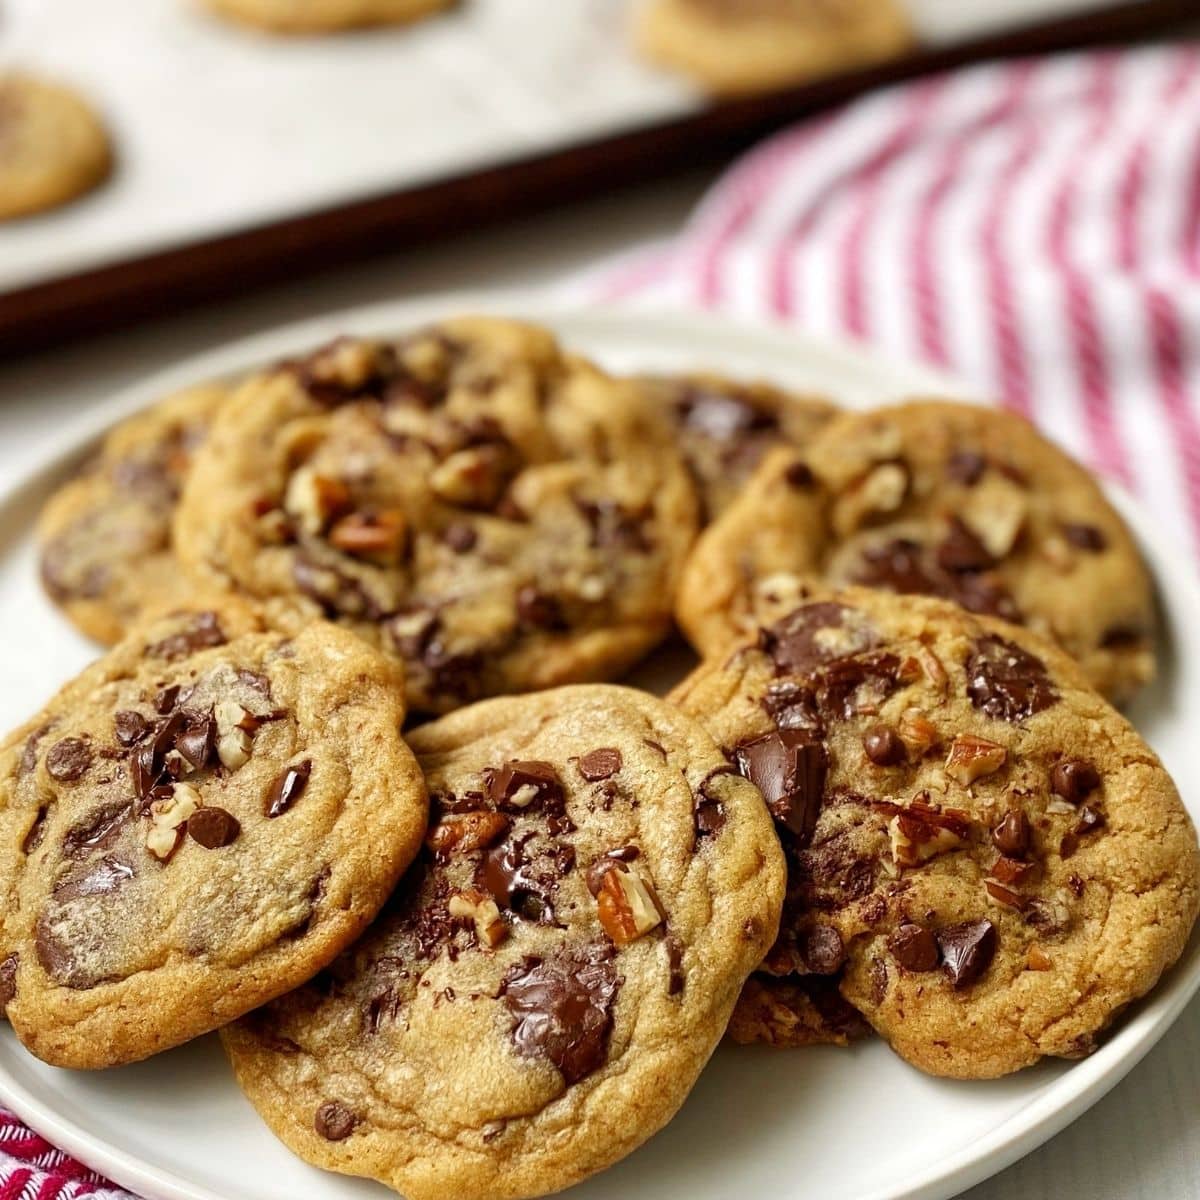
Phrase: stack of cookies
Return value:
(354, 784)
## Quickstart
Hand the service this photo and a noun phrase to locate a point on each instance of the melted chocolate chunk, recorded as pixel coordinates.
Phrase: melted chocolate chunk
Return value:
(967, 950)
(97, 830)
(29, 755)
(68, 760)
(789, 768)
(914, 947)
(595, 874)
(794, 706)
(708, 812)
(1006, 682)
(203, 631)
(539, 610)
(130, 727)
(288, 788)
(600, 764)
(97, 879)
(213, 827)
(522, 874)
(795, 644)
(962, 551)
(8, 979)
(334, 1121)
(563, 1008)
(339, 594)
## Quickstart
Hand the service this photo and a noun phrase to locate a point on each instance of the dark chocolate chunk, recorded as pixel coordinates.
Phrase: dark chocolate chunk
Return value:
(708, 813)
(674, 953)
(1011, 836)
(289, 787)
(915, 948)
(1074, 779)
(799, 475)
(29, 755)
(789, 768)
(95, 879)
(966, 467)
(823, 950)
(8, 979)
(1007, 682)
(613, 527)
(518, 785)
(563, 1008)
(884, 747)
(961, 550)
(165, 698)
(98, 829)
(202, 632)
(68, 759)
(967, 950)
(539, 610)
(213, 827)
(522, 874)
(130, 727)
(196, 742)
(1085, 537)
(594, 877)
(600, 764)
(334, 1121)
(795, 644)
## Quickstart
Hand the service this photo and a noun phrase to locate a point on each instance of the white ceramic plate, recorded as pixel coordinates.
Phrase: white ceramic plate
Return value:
(837, 1124)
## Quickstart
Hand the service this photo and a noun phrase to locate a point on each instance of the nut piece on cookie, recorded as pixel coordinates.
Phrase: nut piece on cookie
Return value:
(150, 895)
(989, 872)
(931, 498)
(554, 972)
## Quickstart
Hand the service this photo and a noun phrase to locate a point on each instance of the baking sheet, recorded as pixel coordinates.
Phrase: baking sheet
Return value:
(219, 129)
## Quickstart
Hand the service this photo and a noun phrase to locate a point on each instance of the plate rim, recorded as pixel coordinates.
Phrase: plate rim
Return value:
(1035, 1123)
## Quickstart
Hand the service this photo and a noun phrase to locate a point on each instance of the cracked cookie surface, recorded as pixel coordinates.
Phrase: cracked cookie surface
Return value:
(53, 147)
(105, 535)
(932, 497)
(325, 16)
(983, 855)
(742, 46)
(725, 426)
(501, 516)
(196, 824)
(548, 982)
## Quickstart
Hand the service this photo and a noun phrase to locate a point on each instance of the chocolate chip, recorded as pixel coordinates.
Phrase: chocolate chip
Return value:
(1074, 779)
(213, 827)
(884, 747)
(915, 948)
(8, 980)
(68, 759)
(1011, 836)
(1085, 537)
(966, 467)
(538, 610)
(600, 764)
(789, 768)
(1006, 682)
(799, 475)
(334, 1121)
(961, 550)
(288, 788)
(562, 1008)
(202, 632)
(823, 950)
(130, 727)
(967, 950)
(460, 537)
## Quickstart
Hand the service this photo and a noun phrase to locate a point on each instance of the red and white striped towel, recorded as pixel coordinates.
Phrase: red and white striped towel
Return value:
(1032, 226)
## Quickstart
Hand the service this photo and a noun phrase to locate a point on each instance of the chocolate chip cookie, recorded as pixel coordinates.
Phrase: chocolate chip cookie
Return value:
(740, 46)
(501, 516)
(725, 426)
(105, 535)
(548, 982)
(325, 16)
(53, 147)
(984, 857)
(196, 824)
(954, 500)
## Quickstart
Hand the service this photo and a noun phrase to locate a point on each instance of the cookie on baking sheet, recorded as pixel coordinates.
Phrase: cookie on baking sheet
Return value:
(53, 147)
(325, 16)
(739, 46)
(105, 535)
(547, 984)
(955, 500)
(198, 823)
(982, 853)
(725, 426)
(500, 515)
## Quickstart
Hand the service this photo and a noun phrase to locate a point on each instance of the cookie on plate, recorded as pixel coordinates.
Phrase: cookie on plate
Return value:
(53, 147)
(983, 854)
(547, 984)
(741, 46)
(725, 426)
(498, 514)
(956, 500)
(105, 535)
(325, 16)
(196, 824)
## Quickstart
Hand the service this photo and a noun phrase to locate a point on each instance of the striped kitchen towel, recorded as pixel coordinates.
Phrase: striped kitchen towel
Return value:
(1032, 226)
